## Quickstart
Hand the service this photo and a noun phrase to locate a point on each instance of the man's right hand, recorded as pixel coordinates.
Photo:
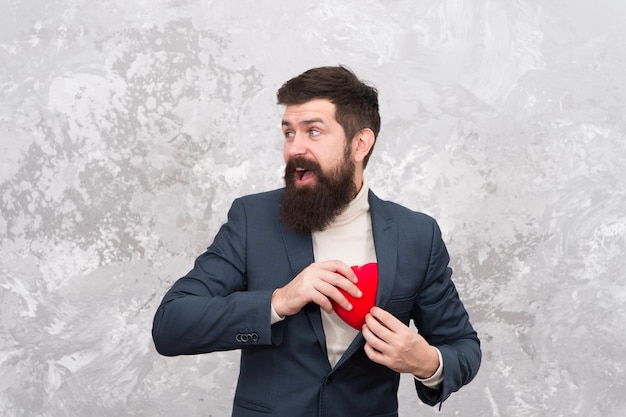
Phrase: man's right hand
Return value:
(317, 283)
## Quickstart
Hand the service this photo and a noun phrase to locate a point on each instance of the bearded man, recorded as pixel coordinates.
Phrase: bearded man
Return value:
(284, 279)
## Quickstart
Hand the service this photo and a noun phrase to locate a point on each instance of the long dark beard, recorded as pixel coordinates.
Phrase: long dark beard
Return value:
(312, 208)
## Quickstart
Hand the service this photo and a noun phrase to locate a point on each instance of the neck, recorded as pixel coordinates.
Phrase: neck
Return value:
(358, 180)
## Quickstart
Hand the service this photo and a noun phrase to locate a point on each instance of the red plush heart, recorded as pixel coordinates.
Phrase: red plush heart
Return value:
(368, 284)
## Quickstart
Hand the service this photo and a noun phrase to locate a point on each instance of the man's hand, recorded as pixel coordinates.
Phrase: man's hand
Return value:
(317, 283)
(391, 343)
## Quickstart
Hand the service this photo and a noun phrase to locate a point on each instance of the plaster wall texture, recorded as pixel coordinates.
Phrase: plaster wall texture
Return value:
(127, 128)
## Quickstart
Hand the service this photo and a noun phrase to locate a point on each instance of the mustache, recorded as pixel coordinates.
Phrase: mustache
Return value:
(299, 162)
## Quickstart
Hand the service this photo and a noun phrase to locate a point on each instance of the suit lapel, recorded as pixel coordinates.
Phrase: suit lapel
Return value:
(385, 232)
(299, 248)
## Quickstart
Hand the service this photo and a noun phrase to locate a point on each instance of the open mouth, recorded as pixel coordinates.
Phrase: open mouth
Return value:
(302, 171)
(304, 175)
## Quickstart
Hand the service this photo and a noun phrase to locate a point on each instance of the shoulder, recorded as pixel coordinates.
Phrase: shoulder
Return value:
(414, 228)
(271, 196)
(255, 208)
(267, 200)
(394, 210)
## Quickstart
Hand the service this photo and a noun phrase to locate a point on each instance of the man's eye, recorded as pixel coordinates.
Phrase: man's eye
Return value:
(288, 134)
(314, 132)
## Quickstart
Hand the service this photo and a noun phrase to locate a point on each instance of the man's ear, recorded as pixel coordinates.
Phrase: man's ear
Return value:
(362, 143)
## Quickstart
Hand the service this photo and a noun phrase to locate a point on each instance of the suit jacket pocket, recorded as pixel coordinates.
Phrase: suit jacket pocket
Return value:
(252, 405)
(401, 307)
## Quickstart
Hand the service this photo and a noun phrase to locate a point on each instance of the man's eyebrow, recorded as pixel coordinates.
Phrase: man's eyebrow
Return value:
(287, 123)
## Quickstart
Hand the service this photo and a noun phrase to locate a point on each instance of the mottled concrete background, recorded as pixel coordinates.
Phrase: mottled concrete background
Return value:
(127, 128)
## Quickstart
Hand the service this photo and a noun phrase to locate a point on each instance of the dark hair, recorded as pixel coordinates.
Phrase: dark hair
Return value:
(356, 103)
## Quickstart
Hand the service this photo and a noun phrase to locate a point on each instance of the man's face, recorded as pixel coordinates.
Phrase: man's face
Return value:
(313, 135)
(319, 171)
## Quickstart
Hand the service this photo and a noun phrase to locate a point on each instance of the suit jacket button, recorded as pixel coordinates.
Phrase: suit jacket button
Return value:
(247, 337)
(327, 381)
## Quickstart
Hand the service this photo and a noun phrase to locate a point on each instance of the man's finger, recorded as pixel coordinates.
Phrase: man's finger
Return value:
(341, 281)
(387, 319)
(340, 268)
(330, 292)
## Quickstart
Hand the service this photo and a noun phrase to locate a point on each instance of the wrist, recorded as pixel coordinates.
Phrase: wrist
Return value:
(276, 304)
(431, 366)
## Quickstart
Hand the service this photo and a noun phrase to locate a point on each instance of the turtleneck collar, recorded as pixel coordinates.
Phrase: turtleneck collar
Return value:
(358, 206)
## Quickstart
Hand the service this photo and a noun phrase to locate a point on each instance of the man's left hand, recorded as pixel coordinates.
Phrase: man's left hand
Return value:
(393, 344)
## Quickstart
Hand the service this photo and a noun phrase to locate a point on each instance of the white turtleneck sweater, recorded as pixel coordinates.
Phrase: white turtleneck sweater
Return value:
(349, 238)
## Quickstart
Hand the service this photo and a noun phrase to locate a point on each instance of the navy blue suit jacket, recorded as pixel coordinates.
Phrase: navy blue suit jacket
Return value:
(223, 303)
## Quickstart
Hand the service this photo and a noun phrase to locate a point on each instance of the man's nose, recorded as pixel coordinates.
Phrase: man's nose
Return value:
(297, 145)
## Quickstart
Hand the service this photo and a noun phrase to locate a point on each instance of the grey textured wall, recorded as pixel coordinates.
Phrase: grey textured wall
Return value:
(127, 128)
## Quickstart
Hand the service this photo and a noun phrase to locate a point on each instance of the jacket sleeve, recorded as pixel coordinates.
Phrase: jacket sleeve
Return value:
(442, 320)
(210, 308)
